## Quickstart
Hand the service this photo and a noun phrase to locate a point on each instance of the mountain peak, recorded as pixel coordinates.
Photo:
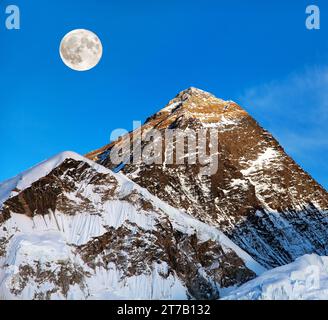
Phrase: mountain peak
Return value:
(193, 93)
(196, 104)
(160, 228)
(255, 181)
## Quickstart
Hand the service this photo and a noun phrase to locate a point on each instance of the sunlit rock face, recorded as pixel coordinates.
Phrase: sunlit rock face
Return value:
(259, 196)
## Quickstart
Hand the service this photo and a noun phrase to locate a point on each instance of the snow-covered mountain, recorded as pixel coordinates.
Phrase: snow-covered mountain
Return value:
(259, 197)
(78, 227)
(72, 229)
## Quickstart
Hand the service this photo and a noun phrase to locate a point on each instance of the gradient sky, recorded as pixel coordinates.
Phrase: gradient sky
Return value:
(257, 53)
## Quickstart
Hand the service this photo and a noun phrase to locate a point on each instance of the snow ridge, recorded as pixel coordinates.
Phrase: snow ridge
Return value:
(13, 186)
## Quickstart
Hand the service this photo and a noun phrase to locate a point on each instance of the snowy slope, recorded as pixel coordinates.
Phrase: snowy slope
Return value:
(304, 279)
(72, 229)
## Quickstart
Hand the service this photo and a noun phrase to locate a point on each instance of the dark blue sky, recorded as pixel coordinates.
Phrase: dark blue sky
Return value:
(258, 53)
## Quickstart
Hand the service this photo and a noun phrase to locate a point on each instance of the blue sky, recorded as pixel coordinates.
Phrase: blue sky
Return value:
(258, 53)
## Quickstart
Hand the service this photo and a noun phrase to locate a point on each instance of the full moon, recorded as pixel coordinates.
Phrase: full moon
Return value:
(81, 50)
